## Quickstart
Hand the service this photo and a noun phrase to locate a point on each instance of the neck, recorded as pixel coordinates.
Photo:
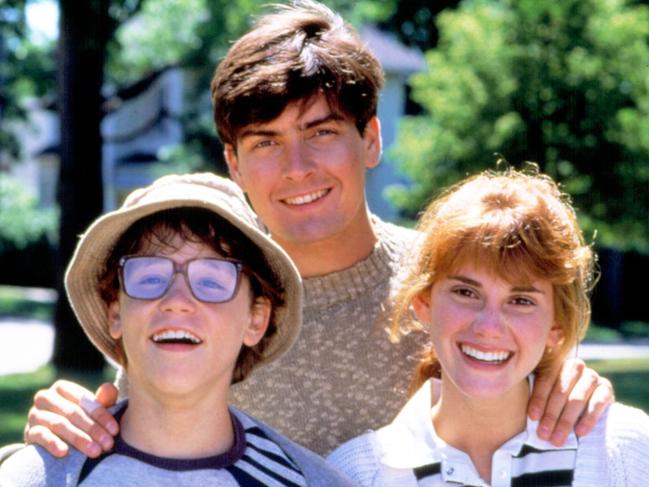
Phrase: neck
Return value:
(334, 253)
(478, 427)
(177, 429)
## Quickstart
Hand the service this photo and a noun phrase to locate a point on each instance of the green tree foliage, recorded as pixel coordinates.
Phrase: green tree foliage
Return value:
(27, 236)
(22, 222)
(26, 69)
(414, 21)
(152, 40)
(564, 84)
(12, 32)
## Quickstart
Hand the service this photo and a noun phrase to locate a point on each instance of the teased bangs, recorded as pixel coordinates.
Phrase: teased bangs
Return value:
(516, 254)
(515, 225)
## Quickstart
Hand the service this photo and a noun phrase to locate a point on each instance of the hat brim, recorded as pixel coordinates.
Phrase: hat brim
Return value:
(82, 275)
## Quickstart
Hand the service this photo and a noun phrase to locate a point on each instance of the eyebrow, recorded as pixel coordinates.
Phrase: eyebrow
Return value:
(331, 117)
(516, 289)
(252, 132)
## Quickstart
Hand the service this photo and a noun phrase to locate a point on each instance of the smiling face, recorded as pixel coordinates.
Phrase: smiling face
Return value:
(304, 173)
(178, 345)
(488, 334)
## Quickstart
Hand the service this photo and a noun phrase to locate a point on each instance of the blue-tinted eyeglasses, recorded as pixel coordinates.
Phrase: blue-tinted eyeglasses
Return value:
(150, 277)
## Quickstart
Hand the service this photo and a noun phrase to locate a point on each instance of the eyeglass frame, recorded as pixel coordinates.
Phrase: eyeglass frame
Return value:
(182, 269)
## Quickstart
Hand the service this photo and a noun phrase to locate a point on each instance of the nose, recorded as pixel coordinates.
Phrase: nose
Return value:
(179, 297)
(489, 322)
(298, 164)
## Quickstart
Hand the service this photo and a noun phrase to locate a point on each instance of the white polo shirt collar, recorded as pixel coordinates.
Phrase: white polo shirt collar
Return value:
(410, 441)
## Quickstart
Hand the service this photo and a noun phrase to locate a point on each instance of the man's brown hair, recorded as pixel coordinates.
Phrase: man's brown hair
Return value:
(293, 54)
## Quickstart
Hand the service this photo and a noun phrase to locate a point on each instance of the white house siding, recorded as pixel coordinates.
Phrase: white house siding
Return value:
(131, 130)
(391, 105)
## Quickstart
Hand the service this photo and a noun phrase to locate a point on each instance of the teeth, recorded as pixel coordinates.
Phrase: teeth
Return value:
(174, 336)
(495, 357)
(306, 198)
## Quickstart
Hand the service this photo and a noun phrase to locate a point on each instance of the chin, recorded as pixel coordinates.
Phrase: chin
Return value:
(485, 390)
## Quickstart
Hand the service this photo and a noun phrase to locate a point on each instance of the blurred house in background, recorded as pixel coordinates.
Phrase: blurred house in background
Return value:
(140, 120)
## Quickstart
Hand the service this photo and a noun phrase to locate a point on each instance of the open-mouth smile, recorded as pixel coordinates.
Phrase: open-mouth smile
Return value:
(495, 357)
(305, 199)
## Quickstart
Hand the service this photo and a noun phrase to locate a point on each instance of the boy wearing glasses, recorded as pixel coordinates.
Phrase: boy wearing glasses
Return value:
(182, 289)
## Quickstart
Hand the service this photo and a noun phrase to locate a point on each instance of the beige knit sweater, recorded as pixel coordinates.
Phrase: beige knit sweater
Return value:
(343, 376)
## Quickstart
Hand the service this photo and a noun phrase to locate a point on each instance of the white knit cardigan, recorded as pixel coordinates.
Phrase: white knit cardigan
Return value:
(614, 454)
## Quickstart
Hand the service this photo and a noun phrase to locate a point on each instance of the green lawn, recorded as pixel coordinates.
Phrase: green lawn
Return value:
(16, 391)
(629, 378)
(27, 303)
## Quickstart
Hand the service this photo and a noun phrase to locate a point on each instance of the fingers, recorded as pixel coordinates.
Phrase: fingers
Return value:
(602, 397)
(58, 410)
(93, 406)
(543, 385)
(56, 433)
(576, 401)
(48, 440)
(555, 395)
(107, 394)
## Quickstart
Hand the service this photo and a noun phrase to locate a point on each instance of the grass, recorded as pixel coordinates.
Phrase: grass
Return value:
(628, 377)
(628, 330)
(17, 393)
(37, 304)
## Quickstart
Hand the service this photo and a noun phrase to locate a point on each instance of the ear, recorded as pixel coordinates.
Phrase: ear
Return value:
(373, 143)
(259, 319)
(421, 306)
(230, 155)
(555, 336)
(114, 321)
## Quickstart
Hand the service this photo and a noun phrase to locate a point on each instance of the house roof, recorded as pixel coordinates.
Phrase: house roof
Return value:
(393, 55)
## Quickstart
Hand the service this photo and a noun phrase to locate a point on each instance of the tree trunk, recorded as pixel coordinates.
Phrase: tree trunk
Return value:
(82, 53)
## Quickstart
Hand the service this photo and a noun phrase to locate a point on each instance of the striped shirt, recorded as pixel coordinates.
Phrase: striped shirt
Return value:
(408, 452)
(528, 467)
(253, 460)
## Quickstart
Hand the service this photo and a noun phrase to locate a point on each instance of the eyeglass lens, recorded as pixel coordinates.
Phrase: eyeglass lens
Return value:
(210, 280)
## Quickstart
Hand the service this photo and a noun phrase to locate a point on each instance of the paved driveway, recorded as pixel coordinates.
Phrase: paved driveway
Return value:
(25, 345)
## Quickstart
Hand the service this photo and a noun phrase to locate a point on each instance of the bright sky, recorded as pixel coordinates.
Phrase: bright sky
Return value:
(43, 19)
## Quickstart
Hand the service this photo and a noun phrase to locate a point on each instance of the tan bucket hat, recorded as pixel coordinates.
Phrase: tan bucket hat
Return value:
(207, 191)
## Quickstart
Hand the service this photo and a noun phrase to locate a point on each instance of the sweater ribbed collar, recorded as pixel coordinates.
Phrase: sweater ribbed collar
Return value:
(376, 268)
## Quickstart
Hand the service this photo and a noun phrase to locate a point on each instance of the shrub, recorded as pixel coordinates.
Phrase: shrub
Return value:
(27, 236)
